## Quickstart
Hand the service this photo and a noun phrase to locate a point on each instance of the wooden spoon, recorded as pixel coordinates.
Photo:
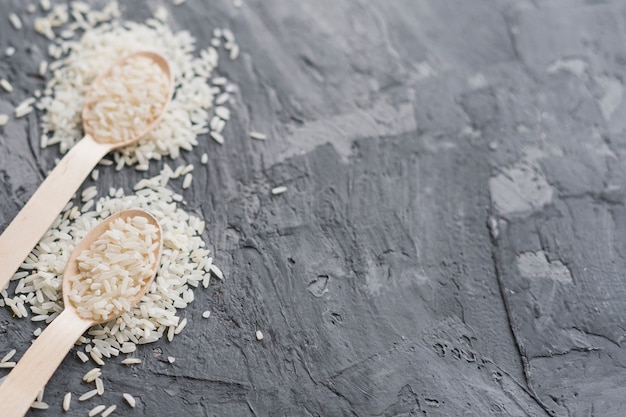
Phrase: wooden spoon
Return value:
(30, 224)
(20, 388)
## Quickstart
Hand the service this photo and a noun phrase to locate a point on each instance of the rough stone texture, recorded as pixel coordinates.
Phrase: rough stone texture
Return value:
(452, 238)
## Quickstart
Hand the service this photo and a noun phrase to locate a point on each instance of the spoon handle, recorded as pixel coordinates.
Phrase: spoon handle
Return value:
(30, 224)
(32, 372)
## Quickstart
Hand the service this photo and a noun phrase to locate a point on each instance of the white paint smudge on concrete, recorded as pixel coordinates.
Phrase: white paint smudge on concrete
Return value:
(575, 66)
(382, 119)
(613, 95)
(477, 81)
(423, 70)
(520, 188)
(535, 265)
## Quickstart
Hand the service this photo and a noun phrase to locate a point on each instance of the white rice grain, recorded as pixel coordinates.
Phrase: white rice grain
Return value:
(204, 159)
(88, 395)
(216, 271)
(217, 137)
(15, 21)
(8, 356)
(234, 52)
(6, 86)
(67, 401)
(278, 190)
(81, 355)
(109, 411)
(89, 193)
(171, 359)
(259, 335)
(206, 314)
(131, 361)
(43, 67)
(7, 365)
(39, 405)
(96, 410)
(92, 375)
(22, 111)
(9, 51)
(4, 119)
(187, 181)
(99, 386)
(130, 400)
(258, 135)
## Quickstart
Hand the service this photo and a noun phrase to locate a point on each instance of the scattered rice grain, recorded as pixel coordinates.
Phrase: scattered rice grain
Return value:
(43, 67)
(92, 375)
(15, 21)
(258, 135)
(217, 137)
(206, 314)
(88, 395)
(81, 355)
(130, 400)
(100, 386)
(4, 119)
(259, 335)
(279, 190)
(97, 410)
(6, 86)
(39, 405)
(109, 411)
(67, 401)
(8, 356)
(187, 181)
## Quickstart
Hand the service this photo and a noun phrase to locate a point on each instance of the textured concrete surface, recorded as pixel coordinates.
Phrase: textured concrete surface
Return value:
(452, 239)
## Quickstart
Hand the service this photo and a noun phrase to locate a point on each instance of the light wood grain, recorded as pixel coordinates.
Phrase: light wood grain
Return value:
(30, 224)
(21, 236)
(35, 368)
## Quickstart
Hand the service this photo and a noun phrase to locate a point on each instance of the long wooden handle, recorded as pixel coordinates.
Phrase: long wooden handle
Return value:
(20, 388)
(30, 224)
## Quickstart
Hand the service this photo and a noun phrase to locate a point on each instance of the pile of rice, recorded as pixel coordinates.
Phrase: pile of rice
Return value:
(200, 97)
(198, 107)
(122, 105)
(115, 268)
(185, 264)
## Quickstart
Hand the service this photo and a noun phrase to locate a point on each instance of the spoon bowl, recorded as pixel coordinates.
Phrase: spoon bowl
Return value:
(30, 224)
(40, 361)
(153, 57)
(71, 269)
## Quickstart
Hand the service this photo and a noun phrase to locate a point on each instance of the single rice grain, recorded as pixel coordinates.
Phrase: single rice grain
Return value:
(88, 395)
(6, 86)
(130, 399)
(278, 190)
(109, 411)
(15, 21)
(67, 401)
(96, 410)
(257, 135)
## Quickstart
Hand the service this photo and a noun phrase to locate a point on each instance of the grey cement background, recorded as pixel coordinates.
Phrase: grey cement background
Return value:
(452, 242)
